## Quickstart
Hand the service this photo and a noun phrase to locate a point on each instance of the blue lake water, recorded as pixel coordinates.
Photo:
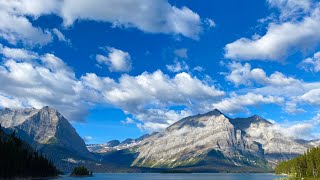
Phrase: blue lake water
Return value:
(217, 176)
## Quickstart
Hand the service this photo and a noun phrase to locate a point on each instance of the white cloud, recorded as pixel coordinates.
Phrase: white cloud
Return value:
(311, 64)
(198, 68)
(117, 60)
(60, 36)
(128, 121)
(156, 16)
(295, 92)
(46, 80)
(210, 22)
(178, 66)
(150, 96)
(311, 97)
(280, 40)
(18, 54)
(10, 102)
(15, 29)
(303, 129)
(291, 108)
(244, 75)
(237, 103)
(291, 8)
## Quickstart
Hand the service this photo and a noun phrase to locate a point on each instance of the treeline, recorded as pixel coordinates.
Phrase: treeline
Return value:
(17, 159)
(306, 165)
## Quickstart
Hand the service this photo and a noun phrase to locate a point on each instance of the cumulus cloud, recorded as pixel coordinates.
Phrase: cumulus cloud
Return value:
(178, 66)
(15, 29)
(295, 92)
(237, 103)
(292, 108)
(46, 80)
(18, 54)
(281, 38)
(128, 121)
(156, 16)
(295, 130)
(311, 97)
(37, 80)
(10, 102)
(150, 96)
(117, 60)
(291, 8)
(303, 129)
(244, 75)
(311, 64)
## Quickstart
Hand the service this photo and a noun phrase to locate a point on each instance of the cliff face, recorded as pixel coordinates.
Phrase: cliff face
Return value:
(47, 131)
(189, 141)
(277, 147)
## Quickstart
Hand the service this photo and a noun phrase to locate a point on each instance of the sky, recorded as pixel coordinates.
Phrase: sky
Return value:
(121, 69)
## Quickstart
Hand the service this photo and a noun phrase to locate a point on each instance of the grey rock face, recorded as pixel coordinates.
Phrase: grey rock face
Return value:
(188, 141)
(44, 126)
(277, 147)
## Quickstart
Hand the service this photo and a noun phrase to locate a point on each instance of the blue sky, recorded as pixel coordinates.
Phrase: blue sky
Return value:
(120, 69)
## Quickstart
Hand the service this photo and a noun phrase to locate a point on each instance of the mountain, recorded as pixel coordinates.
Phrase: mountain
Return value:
(192, 140)
(208, 143)
(48, 132)
(276, 146)
(115, 144)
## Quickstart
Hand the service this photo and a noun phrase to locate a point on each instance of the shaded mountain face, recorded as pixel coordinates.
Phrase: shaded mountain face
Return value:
(46, 130)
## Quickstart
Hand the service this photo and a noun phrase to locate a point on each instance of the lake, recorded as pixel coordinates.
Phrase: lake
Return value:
(153, 176)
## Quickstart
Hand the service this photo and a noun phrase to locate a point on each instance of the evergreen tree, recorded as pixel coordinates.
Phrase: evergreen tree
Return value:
(306, 165)
(17, 159)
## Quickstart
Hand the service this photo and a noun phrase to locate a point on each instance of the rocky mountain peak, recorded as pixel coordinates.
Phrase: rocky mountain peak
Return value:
(198, 120)
(14, 117)
(245, 123)
(189, 140)
(43, 126)
(214, 112)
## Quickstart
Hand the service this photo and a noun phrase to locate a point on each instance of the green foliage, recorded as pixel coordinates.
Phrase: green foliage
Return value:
(17, 159)
(80, 171)
(306, 165)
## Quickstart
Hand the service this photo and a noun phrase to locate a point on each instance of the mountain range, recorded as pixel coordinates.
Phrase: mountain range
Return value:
(210, 142)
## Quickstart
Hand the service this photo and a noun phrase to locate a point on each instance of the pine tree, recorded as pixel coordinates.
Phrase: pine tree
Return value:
(17, 159)
(306, 165)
